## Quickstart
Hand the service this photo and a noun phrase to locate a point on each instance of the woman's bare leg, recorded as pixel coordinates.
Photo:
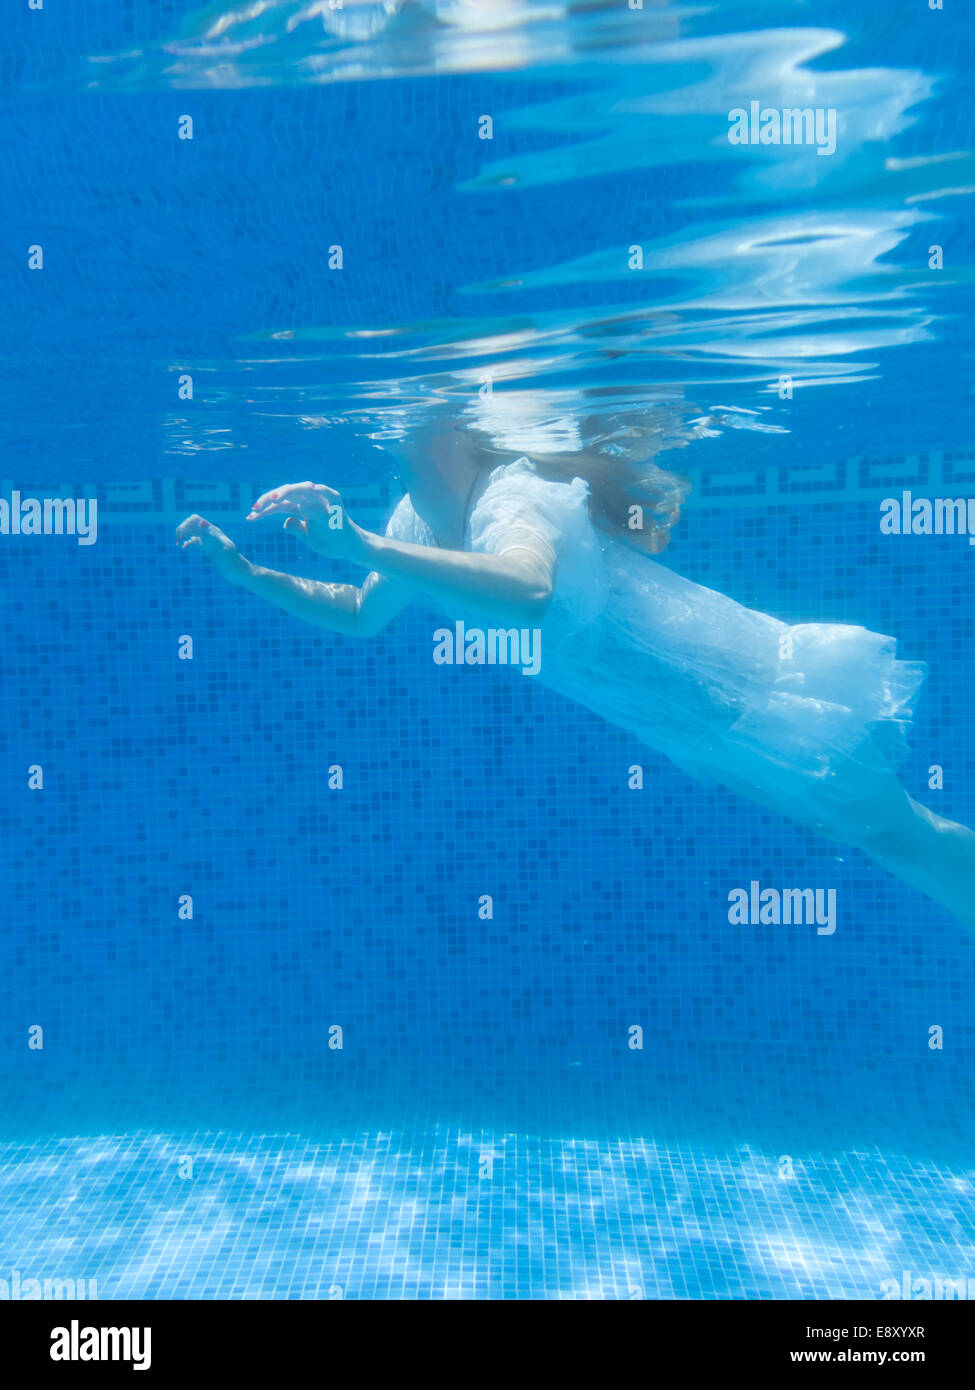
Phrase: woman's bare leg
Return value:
(868, 807)
(934, 855)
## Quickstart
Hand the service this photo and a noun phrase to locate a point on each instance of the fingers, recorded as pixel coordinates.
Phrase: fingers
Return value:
(192, 530)
(290, 497)
(280, 499)
(259, 511)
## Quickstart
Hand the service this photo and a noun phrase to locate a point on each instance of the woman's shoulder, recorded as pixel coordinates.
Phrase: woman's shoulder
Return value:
(523, 472)
(521, 508)
(406, 524)
(518, 494)
(523, 484)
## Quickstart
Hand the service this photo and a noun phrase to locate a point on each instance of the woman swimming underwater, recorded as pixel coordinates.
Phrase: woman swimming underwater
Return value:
(808, 720)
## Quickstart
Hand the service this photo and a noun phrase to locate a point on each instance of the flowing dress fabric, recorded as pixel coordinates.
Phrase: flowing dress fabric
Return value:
(808, 719)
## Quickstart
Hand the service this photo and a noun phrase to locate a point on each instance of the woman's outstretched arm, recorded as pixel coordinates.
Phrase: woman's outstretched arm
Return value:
(510, 588)
(347, 608)
(513, 586)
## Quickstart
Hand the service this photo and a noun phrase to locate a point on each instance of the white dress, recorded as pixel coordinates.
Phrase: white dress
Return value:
(808, 719)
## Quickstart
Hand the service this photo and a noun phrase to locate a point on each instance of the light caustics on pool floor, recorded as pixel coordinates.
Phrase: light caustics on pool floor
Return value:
(449, 1215)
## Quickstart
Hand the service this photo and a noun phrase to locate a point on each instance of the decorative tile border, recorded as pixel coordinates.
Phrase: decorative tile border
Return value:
(166, 501)
(853, 479)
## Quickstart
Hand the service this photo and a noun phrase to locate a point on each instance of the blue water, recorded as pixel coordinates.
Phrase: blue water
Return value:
(189, 1128)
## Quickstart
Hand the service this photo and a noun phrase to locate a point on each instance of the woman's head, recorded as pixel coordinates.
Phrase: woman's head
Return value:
(613, 448)
(635, 502)
(629, 495)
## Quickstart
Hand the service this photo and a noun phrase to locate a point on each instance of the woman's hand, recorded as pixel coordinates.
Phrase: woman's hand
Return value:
(317, 514)
(218, 548)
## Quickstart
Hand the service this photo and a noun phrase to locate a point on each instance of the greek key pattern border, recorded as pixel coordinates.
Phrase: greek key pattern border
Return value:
(166, 501)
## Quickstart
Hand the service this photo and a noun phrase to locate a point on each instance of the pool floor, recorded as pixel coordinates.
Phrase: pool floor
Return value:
(451, 1215)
